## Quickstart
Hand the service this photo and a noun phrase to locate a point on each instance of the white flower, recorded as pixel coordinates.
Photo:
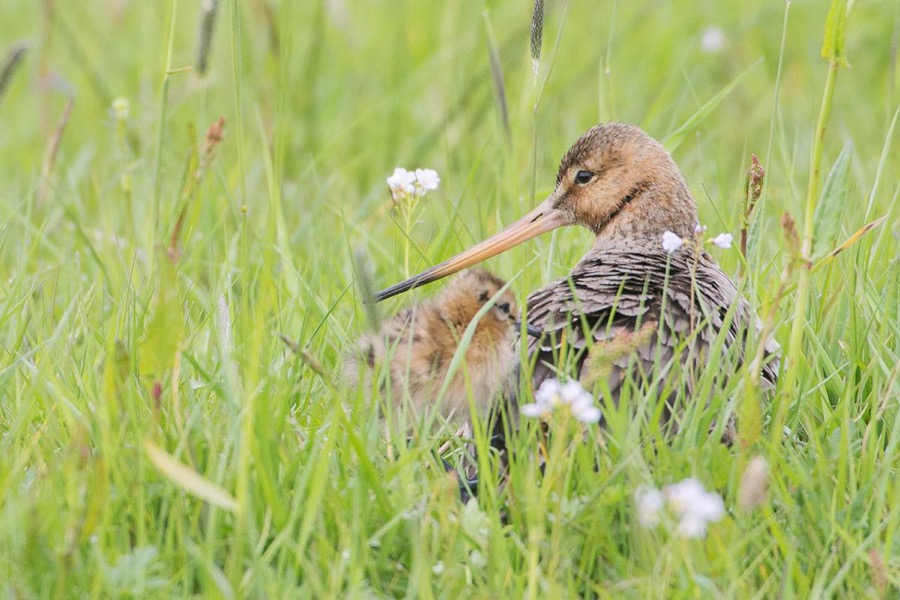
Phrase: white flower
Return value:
(552, 395)
(401, 182)
(710, 508)
(427, 179)
(573, 393)
(405, 183)
(723, 240)
(549, 394)
(671, 242)
(713, 39)
(546, 398)
(698, 228)
(691, 526)
(438, 567)
(586, 412)
(687, 501)
(682, 495)
(650, 502)
(581, 402)
(532, 409)
(694, 506)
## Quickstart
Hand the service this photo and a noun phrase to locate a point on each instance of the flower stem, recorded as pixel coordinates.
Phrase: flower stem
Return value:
(408, 207)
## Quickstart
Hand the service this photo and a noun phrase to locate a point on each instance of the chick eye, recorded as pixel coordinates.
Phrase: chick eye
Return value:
(583, 177)
(504, 307)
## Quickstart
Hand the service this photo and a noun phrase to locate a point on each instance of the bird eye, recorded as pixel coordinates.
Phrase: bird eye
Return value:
(583, 177)
(504, 307)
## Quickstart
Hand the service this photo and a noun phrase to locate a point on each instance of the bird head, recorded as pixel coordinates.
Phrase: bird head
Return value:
(467, 294)
(615, 180)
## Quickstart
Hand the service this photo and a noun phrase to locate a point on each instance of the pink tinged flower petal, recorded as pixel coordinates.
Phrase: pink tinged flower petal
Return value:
(427, 179)
(549, 393)
(572, 392)
(710, 507)
(723, 240)
(586, 413)
(692, 527)
(581, 402)
(671, 242)
(684, 495)
(698, 228)
(401, 181)
(533, 410)
(401, 177)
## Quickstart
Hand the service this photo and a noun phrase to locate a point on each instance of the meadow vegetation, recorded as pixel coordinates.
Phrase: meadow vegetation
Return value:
(179, 259)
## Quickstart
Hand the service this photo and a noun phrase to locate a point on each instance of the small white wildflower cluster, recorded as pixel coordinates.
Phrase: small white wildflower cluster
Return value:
(552, 395)
(688, 501)
(405, 184)
(672, 241)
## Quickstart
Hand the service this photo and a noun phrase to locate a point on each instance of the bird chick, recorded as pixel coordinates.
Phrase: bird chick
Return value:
(415, 348)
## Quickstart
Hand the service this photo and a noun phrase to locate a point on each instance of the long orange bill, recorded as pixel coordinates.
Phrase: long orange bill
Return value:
(540, 220)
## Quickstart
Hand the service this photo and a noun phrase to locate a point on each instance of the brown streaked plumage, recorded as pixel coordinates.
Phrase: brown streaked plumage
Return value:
(420, 342)
(622, 185)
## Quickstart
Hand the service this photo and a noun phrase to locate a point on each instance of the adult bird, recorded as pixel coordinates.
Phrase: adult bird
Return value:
(666, 308)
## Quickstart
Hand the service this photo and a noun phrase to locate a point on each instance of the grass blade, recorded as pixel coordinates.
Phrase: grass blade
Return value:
(829, 210)
(188, 479)
(674, 139)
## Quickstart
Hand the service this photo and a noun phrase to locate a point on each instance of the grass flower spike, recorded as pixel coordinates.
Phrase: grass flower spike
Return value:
(754, 486)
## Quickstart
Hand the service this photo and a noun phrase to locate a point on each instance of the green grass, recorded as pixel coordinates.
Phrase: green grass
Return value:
(121, 353)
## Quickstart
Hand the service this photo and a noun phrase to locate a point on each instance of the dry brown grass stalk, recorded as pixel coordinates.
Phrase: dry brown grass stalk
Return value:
(11, 65)
(52, 150)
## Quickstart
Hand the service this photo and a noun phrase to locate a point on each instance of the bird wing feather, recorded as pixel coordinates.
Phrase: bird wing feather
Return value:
(611, 294)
